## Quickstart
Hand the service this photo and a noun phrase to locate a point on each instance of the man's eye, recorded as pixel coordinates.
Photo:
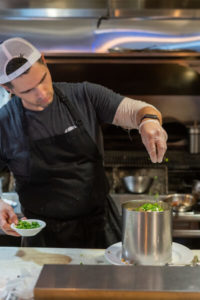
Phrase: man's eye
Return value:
(27, 92)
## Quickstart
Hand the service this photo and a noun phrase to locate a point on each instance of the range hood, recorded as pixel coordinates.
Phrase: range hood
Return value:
(154, 9)
(71, 27)
(150, 25)
(52, 9)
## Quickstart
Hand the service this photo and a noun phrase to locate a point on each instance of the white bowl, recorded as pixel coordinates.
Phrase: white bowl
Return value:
(29, 232)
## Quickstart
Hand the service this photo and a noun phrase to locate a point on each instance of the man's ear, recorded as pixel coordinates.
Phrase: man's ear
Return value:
(43, 58)
(6, 88)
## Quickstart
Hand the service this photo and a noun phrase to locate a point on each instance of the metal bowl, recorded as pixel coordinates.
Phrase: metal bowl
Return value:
(137, 184)
(180, 202)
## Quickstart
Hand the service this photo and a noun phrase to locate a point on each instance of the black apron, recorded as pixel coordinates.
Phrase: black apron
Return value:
(68, 189)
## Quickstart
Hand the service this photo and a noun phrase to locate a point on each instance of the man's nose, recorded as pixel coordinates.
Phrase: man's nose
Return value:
(41, 91)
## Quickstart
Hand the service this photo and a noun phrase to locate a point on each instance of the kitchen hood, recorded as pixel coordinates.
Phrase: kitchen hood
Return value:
(66, 27)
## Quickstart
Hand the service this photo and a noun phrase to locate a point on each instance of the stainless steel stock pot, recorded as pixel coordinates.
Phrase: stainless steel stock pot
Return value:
(146, 236)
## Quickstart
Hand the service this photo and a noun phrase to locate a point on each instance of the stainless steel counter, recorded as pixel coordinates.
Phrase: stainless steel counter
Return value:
(115, 282)
(86, 274)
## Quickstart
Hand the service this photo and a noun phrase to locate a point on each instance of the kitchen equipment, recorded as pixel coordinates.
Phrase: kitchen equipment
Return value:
(177, 132)
(196, 189)
(137, 184)
(146, 236)
(180, 202)
(194, 135)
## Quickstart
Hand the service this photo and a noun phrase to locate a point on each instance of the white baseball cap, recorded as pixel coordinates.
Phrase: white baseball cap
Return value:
(13, 48)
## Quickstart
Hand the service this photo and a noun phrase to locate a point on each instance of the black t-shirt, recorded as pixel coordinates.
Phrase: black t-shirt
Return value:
(95, 104)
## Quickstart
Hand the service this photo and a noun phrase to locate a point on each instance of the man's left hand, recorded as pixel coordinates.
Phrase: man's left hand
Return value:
(154, 137)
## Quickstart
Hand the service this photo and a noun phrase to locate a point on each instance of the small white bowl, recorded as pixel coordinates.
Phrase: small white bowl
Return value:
(29, 232)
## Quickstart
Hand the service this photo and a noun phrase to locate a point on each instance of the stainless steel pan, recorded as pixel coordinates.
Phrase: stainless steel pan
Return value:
(180, 202)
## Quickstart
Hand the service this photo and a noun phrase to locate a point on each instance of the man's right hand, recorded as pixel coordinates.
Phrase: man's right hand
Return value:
(7, 217)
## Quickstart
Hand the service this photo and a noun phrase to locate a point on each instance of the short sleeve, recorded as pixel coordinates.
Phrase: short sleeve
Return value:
(104, 101)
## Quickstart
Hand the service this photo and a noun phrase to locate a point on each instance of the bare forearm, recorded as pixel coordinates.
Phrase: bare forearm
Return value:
(130, 112)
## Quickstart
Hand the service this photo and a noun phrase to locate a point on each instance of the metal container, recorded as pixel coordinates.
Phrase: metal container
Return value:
(194, 134)
(196, 187)
(180, 202)
(137, 184)
(146, 236)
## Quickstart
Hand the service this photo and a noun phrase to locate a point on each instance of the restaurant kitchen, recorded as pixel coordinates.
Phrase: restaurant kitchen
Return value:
(137, 48)
(142, 49)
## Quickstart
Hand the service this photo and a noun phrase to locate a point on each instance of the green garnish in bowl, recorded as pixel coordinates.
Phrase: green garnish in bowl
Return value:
(27, 225)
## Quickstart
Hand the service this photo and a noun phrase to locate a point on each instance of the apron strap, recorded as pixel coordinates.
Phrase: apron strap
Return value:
(73, 111)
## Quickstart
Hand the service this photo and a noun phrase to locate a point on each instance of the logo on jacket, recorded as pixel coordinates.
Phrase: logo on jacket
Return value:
(70, 128)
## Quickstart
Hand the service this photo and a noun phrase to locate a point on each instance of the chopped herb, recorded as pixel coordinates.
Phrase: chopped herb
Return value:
(27, 225)
(150, 207)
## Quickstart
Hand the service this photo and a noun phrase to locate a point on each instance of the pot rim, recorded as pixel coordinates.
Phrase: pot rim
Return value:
(131, 204)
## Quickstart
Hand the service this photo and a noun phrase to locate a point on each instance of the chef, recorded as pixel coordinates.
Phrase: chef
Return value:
(50, 138)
